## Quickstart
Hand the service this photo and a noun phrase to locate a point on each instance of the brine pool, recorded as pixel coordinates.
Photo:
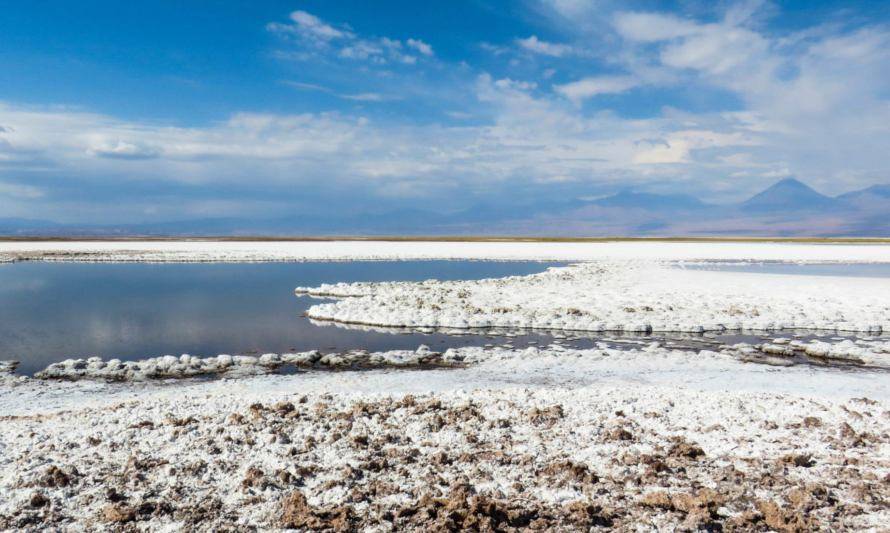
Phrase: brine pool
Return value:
(54, 311)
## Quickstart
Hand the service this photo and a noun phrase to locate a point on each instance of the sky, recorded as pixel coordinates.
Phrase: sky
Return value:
(130, 112)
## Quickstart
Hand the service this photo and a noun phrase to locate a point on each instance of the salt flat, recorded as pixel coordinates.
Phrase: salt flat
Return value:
(498, 438)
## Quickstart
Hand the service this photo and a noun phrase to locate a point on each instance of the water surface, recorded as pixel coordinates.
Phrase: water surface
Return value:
(53, 311)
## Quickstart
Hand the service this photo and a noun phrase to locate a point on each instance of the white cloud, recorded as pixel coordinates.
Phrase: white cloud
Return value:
(364, 97)
(574, 9)
(420, 46)
(309, 26)
(318, 37)
(313, 25)
(118, 149)
(819, 94)
(358, 97)
(533, 44)
(678, 146)
(362, 50)
(652, 27)
(716, 50)
(515, 85)
(580, 90)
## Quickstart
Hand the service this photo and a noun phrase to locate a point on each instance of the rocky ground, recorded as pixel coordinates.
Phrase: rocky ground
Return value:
(639, 458)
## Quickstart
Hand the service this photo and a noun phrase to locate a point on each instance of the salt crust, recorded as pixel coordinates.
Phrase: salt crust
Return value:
(622, 296)
(182, 447)
(862, 352)
(187, 366)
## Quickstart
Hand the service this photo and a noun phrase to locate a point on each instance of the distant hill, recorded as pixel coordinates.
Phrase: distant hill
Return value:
(875, 191)
(787, 208)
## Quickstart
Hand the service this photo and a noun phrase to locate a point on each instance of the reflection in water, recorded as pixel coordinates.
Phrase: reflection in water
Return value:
(52, 311)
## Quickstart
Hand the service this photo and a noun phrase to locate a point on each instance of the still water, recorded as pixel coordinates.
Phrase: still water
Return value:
(53, 311)
(855, 270)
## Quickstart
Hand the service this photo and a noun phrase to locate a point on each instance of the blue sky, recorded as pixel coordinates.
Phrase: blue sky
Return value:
(111, 112)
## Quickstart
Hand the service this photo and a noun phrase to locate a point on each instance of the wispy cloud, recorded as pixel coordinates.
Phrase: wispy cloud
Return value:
(308, 26)
(358, 97)
(580, 90)
(313, 37)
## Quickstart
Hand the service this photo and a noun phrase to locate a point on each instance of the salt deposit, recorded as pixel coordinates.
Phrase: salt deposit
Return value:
(187, 366)
(291, 454)
(622, 296)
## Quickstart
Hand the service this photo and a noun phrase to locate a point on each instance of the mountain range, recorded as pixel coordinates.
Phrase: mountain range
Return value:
(787, 208)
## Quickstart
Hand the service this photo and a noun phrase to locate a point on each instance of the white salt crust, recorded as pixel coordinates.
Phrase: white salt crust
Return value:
(864, 353)
(187, 366)
(739, 414)
(622, 296)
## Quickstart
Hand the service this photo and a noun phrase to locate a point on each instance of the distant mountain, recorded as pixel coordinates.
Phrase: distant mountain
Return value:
(786, 196)
(661, 202)
(787, 208)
